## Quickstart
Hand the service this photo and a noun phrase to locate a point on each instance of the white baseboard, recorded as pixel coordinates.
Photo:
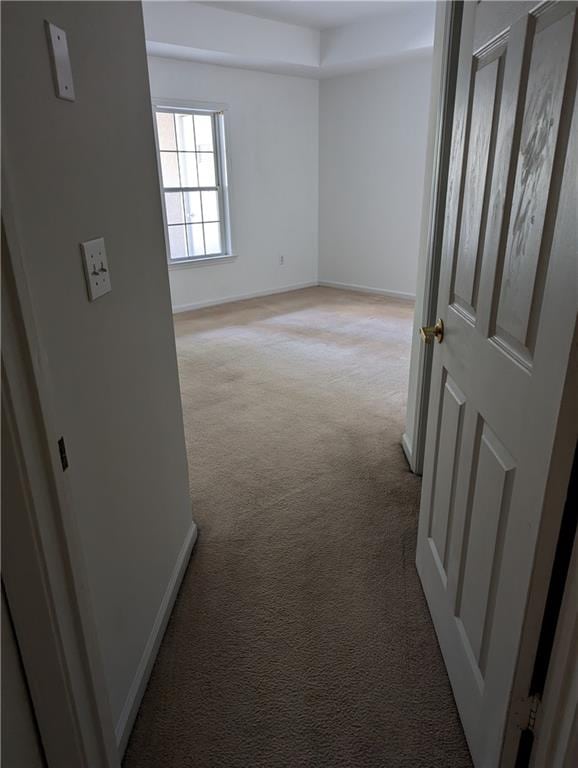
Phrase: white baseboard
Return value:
(366, 289)
(139, 683)
(288, 288)
(241, 297)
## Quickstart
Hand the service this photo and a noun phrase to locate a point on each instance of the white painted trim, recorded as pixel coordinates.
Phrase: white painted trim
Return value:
(50, 597)
(221, 138)
(367, 289)
(209, 106)
(205, 261)
(241, 297)
(144, 669)
(556, 745)
(405, 444)
(444, 70)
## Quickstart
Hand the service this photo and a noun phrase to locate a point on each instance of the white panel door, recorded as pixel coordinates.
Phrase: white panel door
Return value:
(508, 299)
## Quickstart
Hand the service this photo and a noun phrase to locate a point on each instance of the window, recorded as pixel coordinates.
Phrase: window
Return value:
(193, 178)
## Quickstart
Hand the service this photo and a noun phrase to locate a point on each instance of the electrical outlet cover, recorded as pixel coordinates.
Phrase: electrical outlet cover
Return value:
(60, 62)
(95, 268)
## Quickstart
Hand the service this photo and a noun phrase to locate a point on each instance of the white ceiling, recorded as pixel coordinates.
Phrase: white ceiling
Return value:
(310, 13)
(212, 33)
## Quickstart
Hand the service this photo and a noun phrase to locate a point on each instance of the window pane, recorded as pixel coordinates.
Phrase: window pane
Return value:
(196, 243)
(206, 161)
(193, 206)
(213, 238)
(178, 243)
(188, 159)
(170, 169)
(188, 165)
(211, 206)
(185, 132)
(174, 208)
(204, 133)
(166, 130)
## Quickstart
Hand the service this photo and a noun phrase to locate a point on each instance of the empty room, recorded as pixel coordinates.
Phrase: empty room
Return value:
(289, 374)
(292, 188)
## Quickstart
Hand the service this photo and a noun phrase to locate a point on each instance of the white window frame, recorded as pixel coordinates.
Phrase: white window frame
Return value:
(177, 106)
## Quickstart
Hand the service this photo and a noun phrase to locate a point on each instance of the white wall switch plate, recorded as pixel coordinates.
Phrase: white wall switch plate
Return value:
(60, 62)
(95, 268)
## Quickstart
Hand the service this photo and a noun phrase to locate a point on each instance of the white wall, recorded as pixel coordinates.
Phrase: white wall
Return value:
(76, 171)
(369, 43)
(272, 137)
(372, 141)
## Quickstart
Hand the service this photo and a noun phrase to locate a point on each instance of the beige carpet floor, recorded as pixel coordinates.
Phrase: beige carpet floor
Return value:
(300, 637)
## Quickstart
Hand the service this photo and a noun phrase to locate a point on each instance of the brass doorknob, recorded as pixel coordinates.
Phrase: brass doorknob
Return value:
(430, 332)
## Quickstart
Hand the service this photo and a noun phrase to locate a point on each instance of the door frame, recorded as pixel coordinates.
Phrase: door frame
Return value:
(448, 31)
(47, 591)
(556, 737)
(520, 716)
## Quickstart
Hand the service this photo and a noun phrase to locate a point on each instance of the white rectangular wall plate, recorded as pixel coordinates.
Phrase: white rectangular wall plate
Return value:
(61, 68)
(95, 268)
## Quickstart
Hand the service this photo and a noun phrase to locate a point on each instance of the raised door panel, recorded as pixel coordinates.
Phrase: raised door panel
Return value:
(527, 248)
(490, 484)
(486, 84)
(452, 404)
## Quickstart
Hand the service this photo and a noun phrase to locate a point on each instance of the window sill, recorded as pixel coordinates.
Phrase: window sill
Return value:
(204, 262)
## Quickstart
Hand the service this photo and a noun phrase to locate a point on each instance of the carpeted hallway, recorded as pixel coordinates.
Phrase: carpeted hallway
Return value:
(300, 637)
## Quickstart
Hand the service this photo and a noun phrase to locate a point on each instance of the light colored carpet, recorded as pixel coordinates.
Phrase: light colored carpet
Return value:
(300, 637)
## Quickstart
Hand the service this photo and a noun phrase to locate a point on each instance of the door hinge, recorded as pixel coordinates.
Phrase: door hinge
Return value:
(63, 456)
(533, 713)
(528, 713)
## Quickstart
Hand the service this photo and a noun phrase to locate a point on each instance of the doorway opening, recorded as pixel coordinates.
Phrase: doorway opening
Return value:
(293, 348)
